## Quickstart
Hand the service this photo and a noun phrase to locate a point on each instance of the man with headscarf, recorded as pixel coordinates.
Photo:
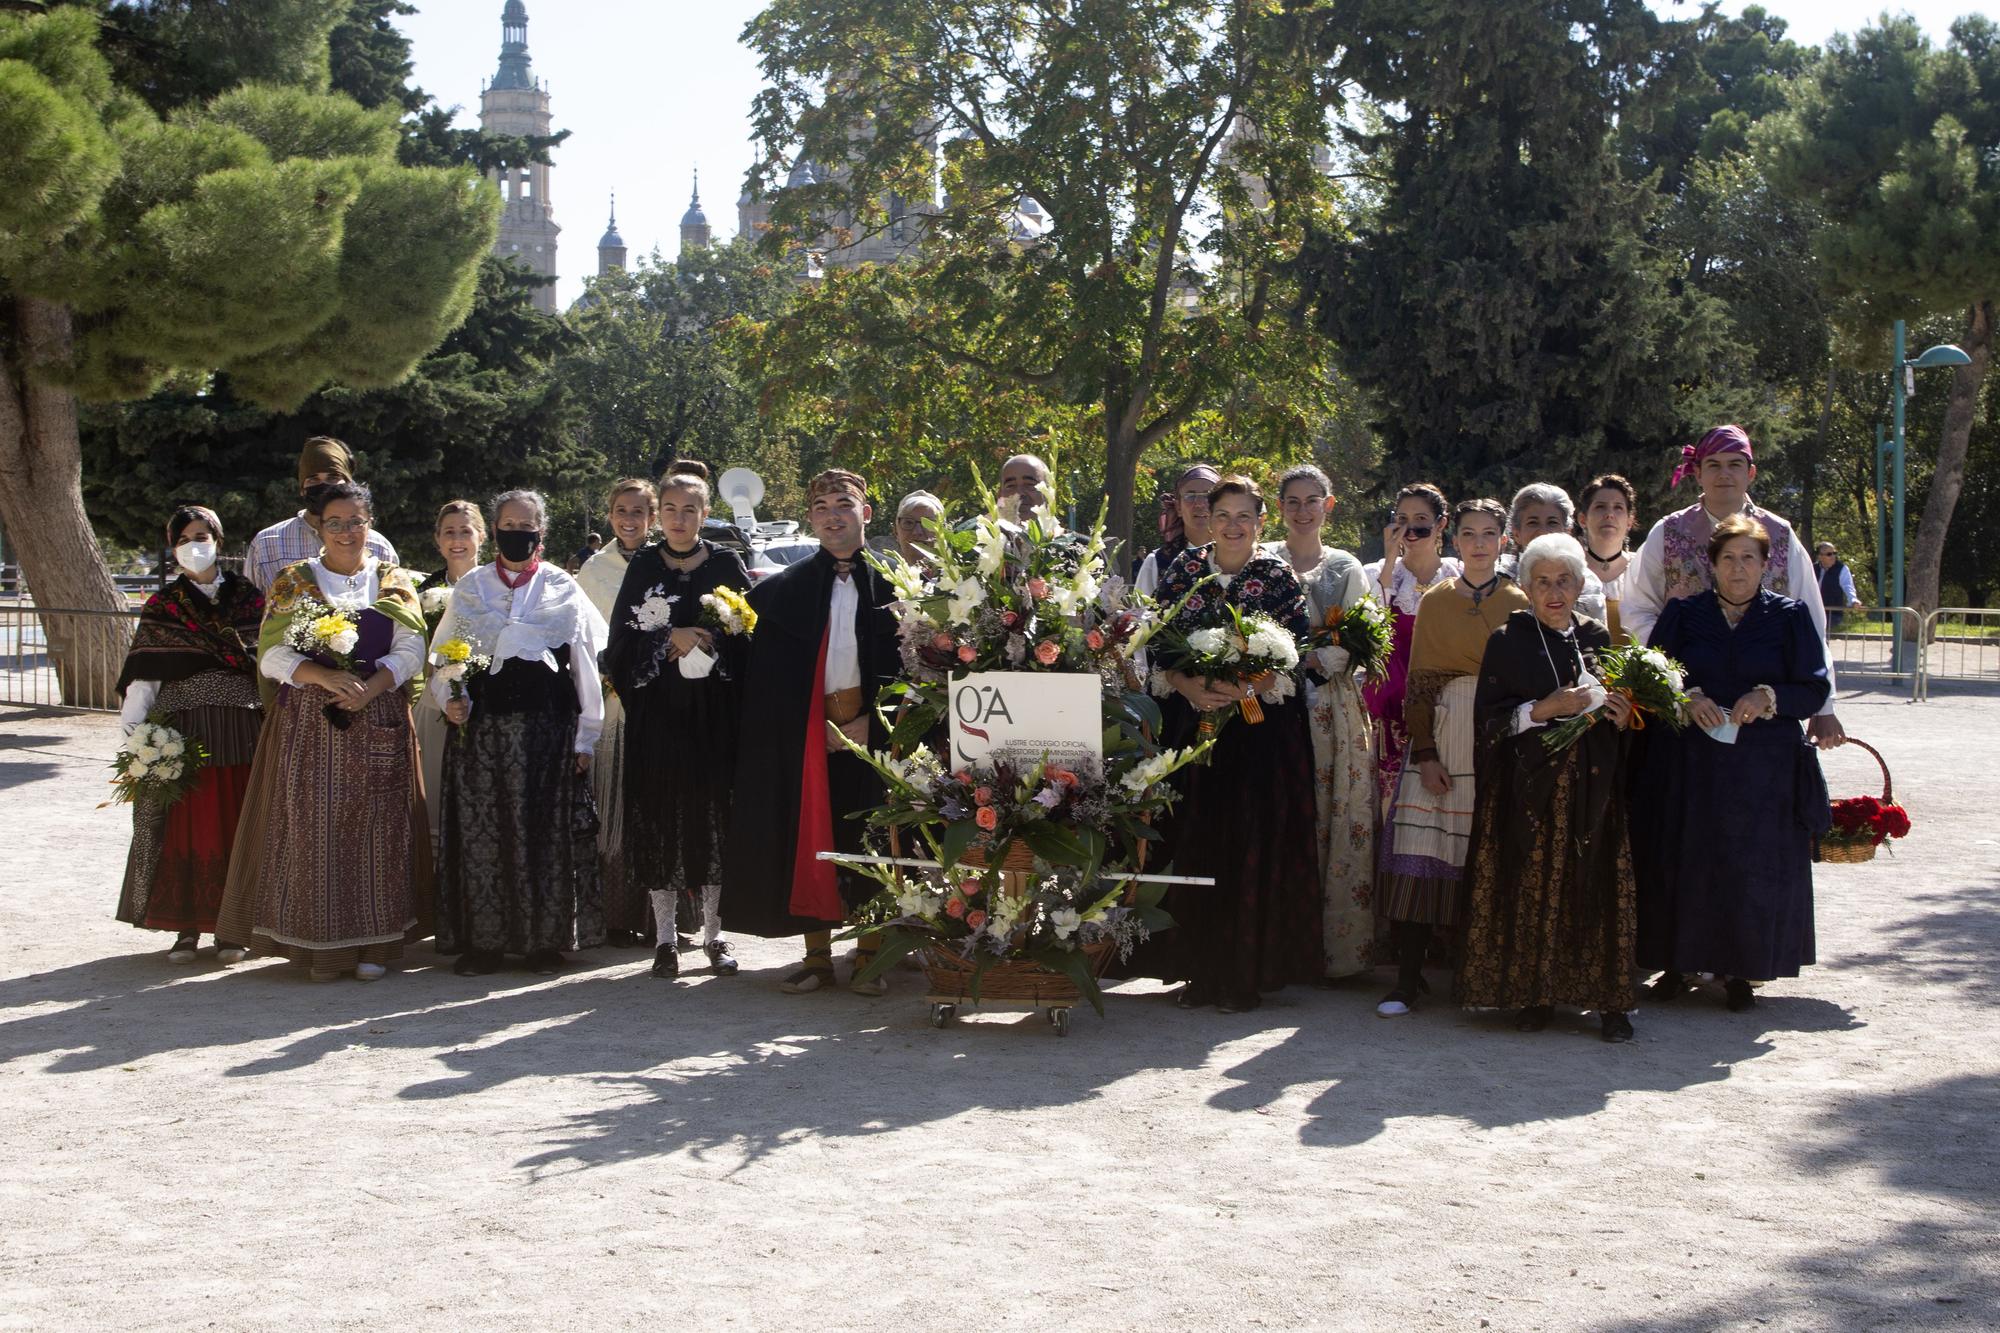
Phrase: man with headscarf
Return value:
(1674, 561)
(322, 462)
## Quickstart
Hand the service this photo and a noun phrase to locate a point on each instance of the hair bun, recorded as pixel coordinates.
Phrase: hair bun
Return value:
(688, 467)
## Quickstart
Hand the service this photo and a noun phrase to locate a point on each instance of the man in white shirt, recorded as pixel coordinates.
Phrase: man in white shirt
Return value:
(1674, 561)
(323, 461)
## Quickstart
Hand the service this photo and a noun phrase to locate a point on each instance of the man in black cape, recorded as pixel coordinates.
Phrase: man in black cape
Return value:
(796, 785)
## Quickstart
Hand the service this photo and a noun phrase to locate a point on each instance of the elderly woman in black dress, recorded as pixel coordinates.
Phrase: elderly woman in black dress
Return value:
(1552, 912)
(1727, 811)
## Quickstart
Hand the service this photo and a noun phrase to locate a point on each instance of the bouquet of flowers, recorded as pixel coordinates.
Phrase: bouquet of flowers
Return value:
(1651, 682)
(727, 612)
(1866, 820)
(156, 763)
(1365, 631)
(329, 636)
(1236, 646)
(454, 663)
(1056, 913)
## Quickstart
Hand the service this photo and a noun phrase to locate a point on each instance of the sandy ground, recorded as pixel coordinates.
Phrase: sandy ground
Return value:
(243, 1149)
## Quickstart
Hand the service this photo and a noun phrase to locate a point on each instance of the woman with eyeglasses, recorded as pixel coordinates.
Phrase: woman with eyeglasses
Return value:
(1183, 523)
(918, 510)
(1426, 832)
(1552, 911)
(332, 865)
(1343, 740)
(193, 665)
(1413, 562)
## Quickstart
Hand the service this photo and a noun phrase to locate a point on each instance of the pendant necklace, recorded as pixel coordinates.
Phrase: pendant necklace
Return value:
(1606, 560)
(1480, 591)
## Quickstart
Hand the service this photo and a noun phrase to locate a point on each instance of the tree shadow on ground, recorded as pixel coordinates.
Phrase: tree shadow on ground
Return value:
(22, 772)
(1937, 1270)
(1475, 1067)
(1951, 939)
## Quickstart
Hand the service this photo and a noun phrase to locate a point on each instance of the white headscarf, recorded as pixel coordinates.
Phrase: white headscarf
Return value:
(529, 623)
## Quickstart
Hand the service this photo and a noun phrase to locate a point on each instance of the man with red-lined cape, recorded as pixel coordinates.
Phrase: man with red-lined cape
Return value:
(825, 645)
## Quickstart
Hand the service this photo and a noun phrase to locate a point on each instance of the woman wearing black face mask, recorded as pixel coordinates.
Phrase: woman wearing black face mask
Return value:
(193, 665)
(517, 831)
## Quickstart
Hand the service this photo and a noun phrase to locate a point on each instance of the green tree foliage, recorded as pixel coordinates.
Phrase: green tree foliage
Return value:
(1138, 127)
(1892, 140)
(1735, 72)
(267, 232)
(1504, 300)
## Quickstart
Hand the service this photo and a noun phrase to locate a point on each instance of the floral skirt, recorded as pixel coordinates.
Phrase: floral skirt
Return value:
(1344, 803)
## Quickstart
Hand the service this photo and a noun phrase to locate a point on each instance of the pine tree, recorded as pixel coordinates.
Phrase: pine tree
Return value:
(1503, 300)
(157, 216)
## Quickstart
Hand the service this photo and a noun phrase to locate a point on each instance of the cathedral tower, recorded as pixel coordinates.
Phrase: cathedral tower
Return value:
(695, 230)
(610, 246)
(515, 103)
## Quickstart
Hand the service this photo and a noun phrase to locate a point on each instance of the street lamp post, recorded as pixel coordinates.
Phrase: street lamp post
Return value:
(1903, 383)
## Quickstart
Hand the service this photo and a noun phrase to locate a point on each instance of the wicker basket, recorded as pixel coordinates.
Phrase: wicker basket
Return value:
(1008, 980)
(1020, 857)
(1853, 851)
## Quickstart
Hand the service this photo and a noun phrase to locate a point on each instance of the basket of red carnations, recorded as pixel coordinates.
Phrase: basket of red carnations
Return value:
(1863, 823)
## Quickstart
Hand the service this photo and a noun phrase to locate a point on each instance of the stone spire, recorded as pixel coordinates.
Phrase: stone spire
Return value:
(514, 71)
(695, 230)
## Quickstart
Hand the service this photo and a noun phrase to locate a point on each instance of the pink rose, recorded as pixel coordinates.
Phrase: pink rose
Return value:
(955, 908)
(1047, 651)
(1038, 587)
(976, 920)
(988, 818)
(942, 642)
(965, 653)
(970, 888)
(1095, 640)
(1011, 619)
(983, 796)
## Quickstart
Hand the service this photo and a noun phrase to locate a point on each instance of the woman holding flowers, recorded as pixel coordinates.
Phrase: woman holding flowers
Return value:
(632, 510)
(1552, 909)
(459, 532)
(1413, 562)
(193, 666)
(1249, 812)
(1343, 740)
(680, 635)
(517, 838)
(1426, 830)
(332, 865)
(1728, 810)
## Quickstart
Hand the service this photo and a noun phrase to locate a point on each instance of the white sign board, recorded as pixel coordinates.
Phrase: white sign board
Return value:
(1024, 716)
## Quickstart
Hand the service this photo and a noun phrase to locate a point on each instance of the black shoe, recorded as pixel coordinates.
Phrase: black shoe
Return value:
(1195, 995)
(544, 962)
(1534, 1018)
(1740, 995)
(719, 960)
(1667, 987)
(1617, 1026)
(476, 963)
(667, 962)
(1239, 1004)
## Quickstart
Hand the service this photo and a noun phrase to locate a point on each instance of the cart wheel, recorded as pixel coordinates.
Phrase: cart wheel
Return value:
(1059, 1019)
(942, 1014)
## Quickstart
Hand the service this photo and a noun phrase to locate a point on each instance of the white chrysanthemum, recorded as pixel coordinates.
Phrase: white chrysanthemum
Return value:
(435, 600)
(138, 768)
(173, 749)
(171, 770)
(1208, 642)
(1272, 643)
(344, 642)
(149, 753)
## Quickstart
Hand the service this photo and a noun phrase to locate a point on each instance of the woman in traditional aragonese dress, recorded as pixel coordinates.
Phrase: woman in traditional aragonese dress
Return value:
(1413, 563)
(1551, 913)
(459, 533)
(1725, 813)
(192, 663)
(332, 864)
(682, 684)
(1343, 738)
(1247, 818)
(517, 839)
(1426, 831)
(632, 509)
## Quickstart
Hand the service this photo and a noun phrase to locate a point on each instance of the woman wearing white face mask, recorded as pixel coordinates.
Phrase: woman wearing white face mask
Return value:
(192, 665)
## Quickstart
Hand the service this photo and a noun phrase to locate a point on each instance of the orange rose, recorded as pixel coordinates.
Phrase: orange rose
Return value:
(1047, 651)
(988, 818)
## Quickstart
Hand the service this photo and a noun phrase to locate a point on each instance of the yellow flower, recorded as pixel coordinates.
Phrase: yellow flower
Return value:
(454, 650)
(328, 626)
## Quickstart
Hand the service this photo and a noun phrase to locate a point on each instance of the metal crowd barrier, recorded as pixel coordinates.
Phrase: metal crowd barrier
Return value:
(1961, 643)
(54, 657)
(1863, 644)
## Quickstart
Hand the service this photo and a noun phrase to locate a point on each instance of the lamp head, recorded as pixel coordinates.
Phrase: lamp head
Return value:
(1944, 354)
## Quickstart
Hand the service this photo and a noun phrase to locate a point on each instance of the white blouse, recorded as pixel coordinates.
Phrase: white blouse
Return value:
(527, 624)
(344, 592)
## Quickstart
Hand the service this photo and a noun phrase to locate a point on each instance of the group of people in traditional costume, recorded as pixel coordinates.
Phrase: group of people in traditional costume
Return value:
(620, 764)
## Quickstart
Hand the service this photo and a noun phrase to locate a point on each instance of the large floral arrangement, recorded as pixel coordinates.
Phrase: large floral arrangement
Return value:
(157, 764)
(1867, 820)
(1055, 913)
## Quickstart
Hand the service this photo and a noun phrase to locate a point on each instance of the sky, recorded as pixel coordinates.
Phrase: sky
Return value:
(654, 91)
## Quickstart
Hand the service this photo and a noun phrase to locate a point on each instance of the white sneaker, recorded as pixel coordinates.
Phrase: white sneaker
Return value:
(369, 971)
(181, 954)
(1391, 1009)
(230, 955)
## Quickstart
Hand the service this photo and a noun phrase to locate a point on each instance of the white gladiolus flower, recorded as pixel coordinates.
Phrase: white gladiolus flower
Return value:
(1065, 921)
(992, 548)
(966, 597)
